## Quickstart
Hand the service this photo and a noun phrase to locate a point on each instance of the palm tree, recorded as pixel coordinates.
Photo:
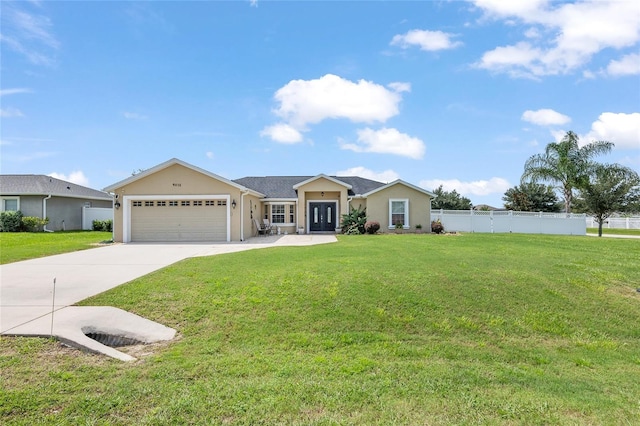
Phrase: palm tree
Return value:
(565, 164)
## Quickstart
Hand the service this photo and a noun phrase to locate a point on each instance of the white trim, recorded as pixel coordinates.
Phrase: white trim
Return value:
(336, 202)
(5, 198)
(407, 224)
(126, 209)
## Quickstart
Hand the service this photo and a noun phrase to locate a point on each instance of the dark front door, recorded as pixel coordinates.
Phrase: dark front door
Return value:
(322, 217)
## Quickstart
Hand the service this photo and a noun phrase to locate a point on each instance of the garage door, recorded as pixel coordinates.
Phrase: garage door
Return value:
(179, 220)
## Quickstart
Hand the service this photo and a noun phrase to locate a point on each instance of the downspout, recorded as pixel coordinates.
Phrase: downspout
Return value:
(44, 212)
(242, 194)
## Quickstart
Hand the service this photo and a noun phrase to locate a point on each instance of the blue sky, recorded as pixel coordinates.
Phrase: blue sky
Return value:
(458, 93)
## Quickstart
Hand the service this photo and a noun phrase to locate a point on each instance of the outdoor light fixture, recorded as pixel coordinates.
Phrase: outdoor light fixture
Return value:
(233, 204)
(117, 205)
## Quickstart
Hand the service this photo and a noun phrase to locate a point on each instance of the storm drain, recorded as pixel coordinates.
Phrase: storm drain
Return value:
(113, 340)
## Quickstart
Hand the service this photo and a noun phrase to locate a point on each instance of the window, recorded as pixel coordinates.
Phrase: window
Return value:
(222, 202)
(291, 214)
(277, 213)
(398, 213)
(185, 203)
(148, 203)
(11, 204)
(137, 204)
(173, 203)
(161, 204)
(210, 203)
(197, 203)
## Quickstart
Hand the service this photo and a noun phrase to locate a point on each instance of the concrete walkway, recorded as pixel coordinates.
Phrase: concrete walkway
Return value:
(27, 289)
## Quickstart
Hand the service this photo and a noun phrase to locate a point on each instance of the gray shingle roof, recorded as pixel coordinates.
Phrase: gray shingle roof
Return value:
(46, 185)
(282, 186)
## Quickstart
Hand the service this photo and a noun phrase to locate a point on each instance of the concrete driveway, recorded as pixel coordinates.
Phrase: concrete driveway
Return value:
(26, 288)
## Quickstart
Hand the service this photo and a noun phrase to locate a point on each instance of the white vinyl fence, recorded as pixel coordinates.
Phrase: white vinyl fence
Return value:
(510, 221)
(89, 214)
(616, 222)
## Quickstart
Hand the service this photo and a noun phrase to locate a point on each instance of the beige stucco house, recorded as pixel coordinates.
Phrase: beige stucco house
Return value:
(176, 201)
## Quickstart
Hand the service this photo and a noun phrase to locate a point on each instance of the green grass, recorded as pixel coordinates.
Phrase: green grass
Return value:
(615, 231)
(16, 246)
(394, 329)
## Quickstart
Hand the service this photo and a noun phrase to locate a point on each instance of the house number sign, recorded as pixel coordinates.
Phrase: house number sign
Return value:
(177, 184)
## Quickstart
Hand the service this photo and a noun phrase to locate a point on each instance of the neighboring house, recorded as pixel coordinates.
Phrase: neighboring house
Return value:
(176, 201)
(45, 196)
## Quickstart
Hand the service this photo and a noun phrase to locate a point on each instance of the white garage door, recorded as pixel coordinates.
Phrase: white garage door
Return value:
(179, 220)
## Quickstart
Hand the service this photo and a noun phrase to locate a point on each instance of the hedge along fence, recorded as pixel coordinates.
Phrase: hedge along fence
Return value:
(16, 222)
(103, 225)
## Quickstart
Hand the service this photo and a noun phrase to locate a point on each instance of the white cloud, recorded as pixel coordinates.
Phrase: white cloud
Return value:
(134, 116)
(545, 117)
(627, 65)
(426, 40)
(504, 9)
(303, 102)
(282, 133)
(5, 92)
(384, 176)
(399, 87)
(30, 34)
(210, 155)
(386, 141)
(76, 177)
(10, 112)
(582, 29)
(619, 128)
(479, 187)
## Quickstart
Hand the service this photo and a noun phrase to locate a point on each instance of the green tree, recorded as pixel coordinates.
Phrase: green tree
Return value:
(531, 197)
(450, 200)
(565, 164)
(612, 188)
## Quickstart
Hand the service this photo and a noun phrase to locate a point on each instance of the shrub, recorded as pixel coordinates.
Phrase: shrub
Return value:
(10, 221)
(353, 222)
(437, 227)
(102, 225)
(34, 224)
(371, 226)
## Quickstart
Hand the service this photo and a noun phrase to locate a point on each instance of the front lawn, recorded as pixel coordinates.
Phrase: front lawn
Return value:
(16, 246)
(391, 329)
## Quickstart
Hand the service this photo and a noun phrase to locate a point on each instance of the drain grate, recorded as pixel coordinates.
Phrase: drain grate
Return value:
(112, 340)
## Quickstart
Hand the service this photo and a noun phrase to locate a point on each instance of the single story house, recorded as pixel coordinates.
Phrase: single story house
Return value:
(176, 201)
(45, 196)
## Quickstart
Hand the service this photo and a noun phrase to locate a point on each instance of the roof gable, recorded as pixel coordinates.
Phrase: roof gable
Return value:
(169, 163)
(47, 185)
(400, 182)
(322, 176)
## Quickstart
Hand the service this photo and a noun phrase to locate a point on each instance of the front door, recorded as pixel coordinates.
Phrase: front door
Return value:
(323, 217)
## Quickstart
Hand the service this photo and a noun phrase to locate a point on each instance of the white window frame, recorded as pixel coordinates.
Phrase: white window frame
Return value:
(272, 213)
(407, 224)
(268, 212)
(4, 203)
